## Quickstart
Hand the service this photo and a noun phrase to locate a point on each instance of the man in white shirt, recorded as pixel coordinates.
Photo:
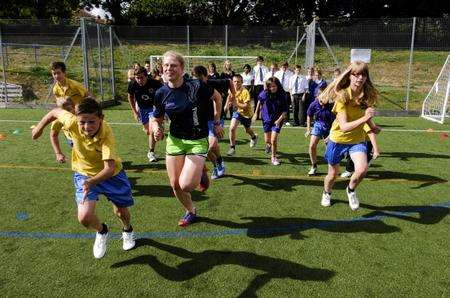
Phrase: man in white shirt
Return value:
(259, 71)
(272, 71)
(298, 87)
(284, 75)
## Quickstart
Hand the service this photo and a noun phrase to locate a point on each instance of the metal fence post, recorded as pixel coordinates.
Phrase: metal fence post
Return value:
(408, 83)
(226, 40)
(100, 60)
(5, 86)
(85, 54)
(35, 54)
(296, 43)
(188, 41)
(111, 47)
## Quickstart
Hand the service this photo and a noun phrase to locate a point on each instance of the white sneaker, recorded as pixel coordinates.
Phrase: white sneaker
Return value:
(151, 156)
(100, 245)
(275, 161)
(326, 200)
(231, 151)
(346, 174)
(312, 171)
(253, 141)
(353, 201)
(129, 241)
(287, 124)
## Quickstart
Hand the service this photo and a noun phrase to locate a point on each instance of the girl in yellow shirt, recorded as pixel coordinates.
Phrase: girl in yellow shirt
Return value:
(354, 97)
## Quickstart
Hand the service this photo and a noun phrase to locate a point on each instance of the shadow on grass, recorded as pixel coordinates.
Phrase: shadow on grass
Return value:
(286, 184)
(427, 215)
(425, 180)
(198, 263)
(246, 160)
(156, 190)
(406, 156)
(128, 165)
(268, 227)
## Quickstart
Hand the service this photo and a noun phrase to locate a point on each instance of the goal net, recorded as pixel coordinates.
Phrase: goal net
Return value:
(435, 106)
(237, 62)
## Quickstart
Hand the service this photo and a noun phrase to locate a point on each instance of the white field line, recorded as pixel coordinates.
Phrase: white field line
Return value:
(256, 126)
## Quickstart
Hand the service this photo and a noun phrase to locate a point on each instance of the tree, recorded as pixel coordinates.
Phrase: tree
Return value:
(39, 9)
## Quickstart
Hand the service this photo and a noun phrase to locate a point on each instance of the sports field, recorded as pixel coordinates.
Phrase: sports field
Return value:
(262, 231)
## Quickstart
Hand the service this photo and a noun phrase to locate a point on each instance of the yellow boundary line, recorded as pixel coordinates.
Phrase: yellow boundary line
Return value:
(255, 173)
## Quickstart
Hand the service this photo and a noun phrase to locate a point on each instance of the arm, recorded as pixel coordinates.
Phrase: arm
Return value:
(217, 98)
(60, 157)
(375, 129)
(106, 173)
(132, 102)
(349, 126)
(373, 139)
(308, 126)
(256, 111)
(280, 119)
(157, 128)
(46, 120)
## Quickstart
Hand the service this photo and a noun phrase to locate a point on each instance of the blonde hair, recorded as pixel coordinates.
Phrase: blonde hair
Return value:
(175, 55)
(336, 91)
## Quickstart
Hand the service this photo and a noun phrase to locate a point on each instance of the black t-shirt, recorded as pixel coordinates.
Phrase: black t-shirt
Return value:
(188, 108)
(222, 86)
(144, 95)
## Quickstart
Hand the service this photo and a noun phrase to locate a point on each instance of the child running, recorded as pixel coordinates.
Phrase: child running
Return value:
(242, 115)
(97, 170)
(141, 96)
(354, 96)
(320, 112)
(273, 104)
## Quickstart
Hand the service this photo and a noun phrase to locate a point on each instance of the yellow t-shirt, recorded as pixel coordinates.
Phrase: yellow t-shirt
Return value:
(57, 126)
(72, 88)
(88, 153)
(243, 97)
(353, 111)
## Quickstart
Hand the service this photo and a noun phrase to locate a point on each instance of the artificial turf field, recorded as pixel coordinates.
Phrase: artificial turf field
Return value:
(262, 231)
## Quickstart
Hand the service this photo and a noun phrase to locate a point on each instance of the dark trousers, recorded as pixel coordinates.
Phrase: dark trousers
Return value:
(350, 166)
(257, 89)
(230, 109)
(299, 109)
(289, 104)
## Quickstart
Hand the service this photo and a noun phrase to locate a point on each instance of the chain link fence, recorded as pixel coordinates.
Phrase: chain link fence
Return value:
(407, 54)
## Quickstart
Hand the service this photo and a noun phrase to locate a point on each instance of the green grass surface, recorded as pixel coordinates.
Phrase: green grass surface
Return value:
(315, 252)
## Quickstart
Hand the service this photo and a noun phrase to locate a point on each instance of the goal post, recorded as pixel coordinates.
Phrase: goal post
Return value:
(435, 107)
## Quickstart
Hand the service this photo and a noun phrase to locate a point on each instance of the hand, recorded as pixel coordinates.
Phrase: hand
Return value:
(158, 131)
(218, 131)
(254, 118)
(60, 158)
(369, 113)
(326, 139)
(307, 132)
(376, 154)
(36, 132)
(278, 123)
(86, 187)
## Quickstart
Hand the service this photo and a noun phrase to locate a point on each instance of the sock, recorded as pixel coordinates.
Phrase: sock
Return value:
(329, 193)
(219, 160)
(349, 189)
(314, 165)
(233, 146)
(254, 137)
(129, 230)
(104, 229)
(151, 150)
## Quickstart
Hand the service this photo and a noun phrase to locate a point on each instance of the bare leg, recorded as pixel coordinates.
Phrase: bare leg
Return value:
(87, 216)
(313, 149)
(330, 178)
(123, 213)
(174, 165)
(361, 167)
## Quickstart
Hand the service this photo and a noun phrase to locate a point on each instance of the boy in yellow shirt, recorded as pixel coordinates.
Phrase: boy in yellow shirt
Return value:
(243, 114)
(97, 169)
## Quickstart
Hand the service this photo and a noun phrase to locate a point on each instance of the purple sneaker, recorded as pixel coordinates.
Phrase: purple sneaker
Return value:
(187, 219)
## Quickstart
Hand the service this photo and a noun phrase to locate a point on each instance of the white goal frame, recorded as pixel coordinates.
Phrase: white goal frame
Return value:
(435, 106)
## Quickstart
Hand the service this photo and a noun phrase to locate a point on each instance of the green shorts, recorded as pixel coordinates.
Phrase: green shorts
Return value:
(176, 146)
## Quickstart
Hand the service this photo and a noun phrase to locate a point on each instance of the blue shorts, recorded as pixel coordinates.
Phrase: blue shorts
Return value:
(247, 122)
(116, 189)
(145, 114)
(320, 130)
(336, 152)
(211, 133)
(271, 127)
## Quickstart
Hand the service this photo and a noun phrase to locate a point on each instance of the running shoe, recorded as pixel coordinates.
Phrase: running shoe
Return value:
(275, 161)
(253, 141)
(268, 149)
(220, 168)
(151, 156)
(129, 240)
(353, 201)
(99, 248)
(312, 171)
(346, 174)
(231, 151)
(187, 219)
(326, 200)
